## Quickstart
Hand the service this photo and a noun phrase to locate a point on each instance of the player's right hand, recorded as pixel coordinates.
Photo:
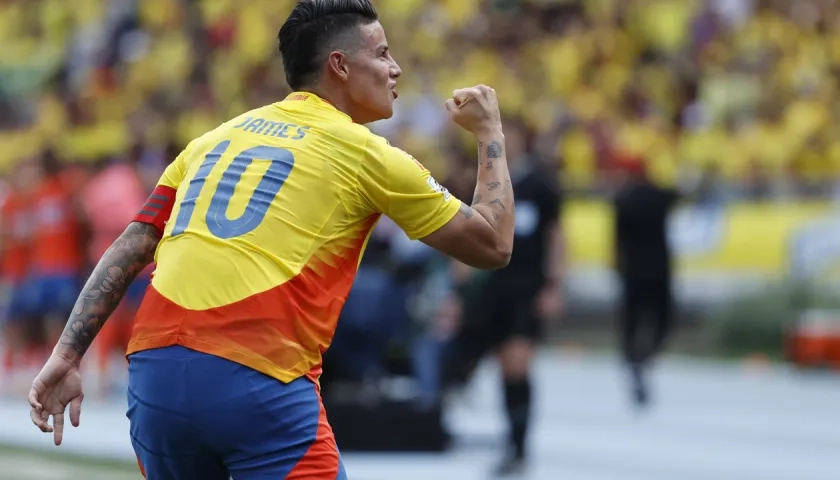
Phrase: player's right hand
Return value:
(475, 109)
(58, 385)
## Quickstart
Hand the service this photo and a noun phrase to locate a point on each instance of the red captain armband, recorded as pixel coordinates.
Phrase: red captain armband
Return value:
(158, 207)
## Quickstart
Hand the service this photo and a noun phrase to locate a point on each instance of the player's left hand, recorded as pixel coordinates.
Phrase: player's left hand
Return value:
(549, 303)
(58, 385)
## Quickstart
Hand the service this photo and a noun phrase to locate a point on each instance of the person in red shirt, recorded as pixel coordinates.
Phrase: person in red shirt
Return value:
(111, 200)
(57, 255)
(15, 254)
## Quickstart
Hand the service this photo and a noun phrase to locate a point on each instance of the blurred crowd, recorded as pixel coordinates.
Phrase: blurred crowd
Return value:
(97, 96)
(742, 92)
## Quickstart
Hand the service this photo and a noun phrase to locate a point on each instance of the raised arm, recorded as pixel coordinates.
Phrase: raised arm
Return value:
(392, 182)
(481, 235)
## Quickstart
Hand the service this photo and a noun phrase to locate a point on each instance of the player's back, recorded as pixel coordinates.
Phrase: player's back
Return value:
(263, 241)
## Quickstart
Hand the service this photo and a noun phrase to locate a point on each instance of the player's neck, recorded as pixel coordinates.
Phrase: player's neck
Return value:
(337, 101)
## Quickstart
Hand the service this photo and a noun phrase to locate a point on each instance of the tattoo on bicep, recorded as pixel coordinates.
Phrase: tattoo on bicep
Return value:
(124, 260)
(466, 211)
(480, 158)
(493, 185)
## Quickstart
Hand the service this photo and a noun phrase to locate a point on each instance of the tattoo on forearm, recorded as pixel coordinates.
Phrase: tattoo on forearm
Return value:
(487, 154)
(466, 211)
(497, 202)
(127, 257)
(494, 150)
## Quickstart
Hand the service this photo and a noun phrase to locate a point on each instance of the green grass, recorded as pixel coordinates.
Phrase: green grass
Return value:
(18, 463)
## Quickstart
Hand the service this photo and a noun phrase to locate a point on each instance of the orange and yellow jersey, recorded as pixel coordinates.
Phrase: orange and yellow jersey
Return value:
(270, 214)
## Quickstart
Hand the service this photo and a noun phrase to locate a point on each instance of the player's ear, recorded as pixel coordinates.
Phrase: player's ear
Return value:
(337, 63)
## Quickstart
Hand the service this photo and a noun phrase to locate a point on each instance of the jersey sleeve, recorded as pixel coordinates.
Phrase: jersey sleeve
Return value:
(394, 183)
(158, 206)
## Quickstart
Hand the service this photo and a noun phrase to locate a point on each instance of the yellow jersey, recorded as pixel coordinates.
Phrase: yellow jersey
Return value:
(264, 221)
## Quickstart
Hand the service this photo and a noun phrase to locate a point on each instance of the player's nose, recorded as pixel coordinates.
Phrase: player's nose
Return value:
(396, 71)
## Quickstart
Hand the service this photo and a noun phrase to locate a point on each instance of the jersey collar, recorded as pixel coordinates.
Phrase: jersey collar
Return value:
(314, 99)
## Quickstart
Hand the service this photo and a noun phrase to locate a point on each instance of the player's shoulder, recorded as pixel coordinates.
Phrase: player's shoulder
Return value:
(381, 149)
(344, 131)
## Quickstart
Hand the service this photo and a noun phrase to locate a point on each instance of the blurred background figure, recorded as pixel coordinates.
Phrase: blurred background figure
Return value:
(15, 248)
(644, 266)
(736, 101)
(57, 240)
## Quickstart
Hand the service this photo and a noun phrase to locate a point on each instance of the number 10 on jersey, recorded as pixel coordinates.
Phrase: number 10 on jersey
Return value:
(218, 223)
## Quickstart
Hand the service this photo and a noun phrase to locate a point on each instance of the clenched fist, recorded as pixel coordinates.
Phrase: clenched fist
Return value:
(475, 109)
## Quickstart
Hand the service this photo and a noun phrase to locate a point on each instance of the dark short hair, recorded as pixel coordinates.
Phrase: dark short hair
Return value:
(313, 30)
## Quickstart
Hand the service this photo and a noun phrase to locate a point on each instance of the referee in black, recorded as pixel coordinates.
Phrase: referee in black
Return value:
(644, 267)
(515, 301)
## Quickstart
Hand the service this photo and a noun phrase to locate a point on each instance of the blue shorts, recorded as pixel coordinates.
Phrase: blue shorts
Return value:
(197, 416)
(49, 295)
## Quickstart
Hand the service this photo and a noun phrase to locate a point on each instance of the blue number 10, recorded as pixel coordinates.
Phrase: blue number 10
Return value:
(218, 223)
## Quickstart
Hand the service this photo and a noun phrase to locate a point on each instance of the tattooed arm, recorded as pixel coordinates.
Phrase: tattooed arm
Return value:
(481, 235)
(122, 262)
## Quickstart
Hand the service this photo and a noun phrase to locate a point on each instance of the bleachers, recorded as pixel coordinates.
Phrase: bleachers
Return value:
(743, 88)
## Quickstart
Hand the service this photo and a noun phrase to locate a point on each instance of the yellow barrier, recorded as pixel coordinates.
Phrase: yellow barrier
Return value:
(752, 237)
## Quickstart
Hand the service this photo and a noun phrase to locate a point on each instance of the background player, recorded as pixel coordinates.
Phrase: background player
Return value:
(57, 255)
(258, 228)
(15, 251)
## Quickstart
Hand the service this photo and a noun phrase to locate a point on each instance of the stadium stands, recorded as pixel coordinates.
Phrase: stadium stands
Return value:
(741, 88)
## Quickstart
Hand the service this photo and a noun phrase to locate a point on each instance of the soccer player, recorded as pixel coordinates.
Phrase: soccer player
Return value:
(15, 254)
(257, 229)
(57, 256)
